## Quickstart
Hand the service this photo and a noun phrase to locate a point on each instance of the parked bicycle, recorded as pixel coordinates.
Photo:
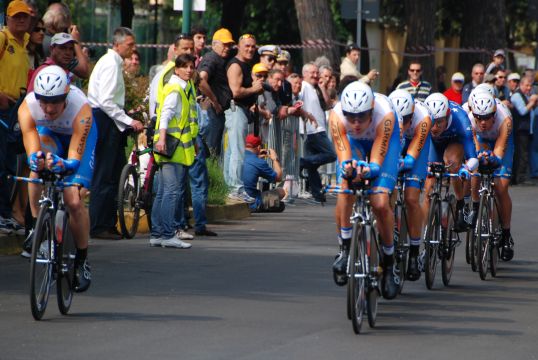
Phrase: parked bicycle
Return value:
(135, 191)
(440, 239)
(53, 248)
(364, 264)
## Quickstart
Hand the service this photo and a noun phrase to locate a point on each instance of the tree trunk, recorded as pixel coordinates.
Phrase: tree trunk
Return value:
(232, 16)
(315, 22)
(486, 31)
(127, 13)
(420, 20)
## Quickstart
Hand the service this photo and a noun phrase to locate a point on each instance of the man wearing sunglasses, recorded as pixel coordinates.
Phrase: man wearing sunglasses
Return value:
(452, 143)
(416, 124)
(492, 124)
(268, 55)
(418, 88)
(364, 126)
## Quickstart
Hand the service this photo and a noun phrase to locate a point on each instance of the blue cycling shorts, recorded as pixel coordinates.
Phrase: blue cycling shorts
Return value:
(389, 169)
(59, 144)
(505, 170)
(416, 176)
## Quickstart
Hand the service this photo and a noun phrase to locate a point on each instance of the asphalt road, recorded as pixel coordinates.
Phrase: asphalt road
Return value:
(263, 290)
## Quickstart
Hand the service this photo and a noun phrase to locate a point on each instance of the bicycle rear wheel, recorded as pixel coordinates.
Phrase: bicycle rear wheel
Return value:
(372, 291)
(66, 252)
(483, 234)
(357, 279)
(432, 236)
(495, 238)
(449, 242)
(128, 201)
(41, 263)
(401, 247)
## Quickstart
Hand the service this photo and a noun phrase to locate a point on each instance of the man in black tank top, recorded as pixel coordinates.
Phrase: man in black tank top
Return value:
(244, 92)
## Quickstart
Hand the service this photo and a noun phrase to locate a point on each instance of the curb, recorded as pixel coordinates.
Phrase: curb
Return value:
(12, 244)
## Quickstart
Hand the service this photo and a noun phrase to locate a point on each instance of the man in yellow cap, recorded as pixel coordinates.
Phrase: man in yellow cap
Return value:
(14, 68)
(214, 85)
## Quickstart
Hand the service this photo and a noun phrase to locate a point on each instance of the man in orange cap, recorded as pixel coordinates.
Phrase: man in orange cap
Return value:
(14, 68)
(214, 85)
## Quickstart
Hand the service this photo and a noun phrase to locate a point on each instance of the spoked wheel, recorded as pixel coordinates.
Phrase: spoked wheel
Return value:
(357, 280)
(66, 269)
(41, 263)
(128, 201)
(432, 238)
(483, 235)
(496, 240)
(449, 241)
(372, 292)
(402, 251)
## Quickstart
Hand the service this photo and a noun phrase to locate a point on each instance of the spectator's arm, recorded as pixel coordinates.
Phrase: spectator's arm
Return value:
(235, 81)
(206, 90)
(82, 64)
(519, 104)
(276, 165)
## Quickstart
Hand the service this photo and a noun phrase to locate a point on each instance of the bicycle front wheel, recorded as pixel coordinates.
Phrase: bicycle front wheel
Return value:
(41, 263)
(496, 238)
(432, 237)
(66, 268)
(401, 247)
(372, 291)
(483, 234)
(128, 202)
(357, 279)
(449, 241)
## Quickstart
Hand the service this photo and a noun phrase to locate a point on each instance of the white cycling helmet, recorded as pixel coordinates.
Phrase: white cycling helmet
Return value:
(484, 87)
(402, 102)
(356, 98)
(438, 105)
(51, 84)
(482, 103)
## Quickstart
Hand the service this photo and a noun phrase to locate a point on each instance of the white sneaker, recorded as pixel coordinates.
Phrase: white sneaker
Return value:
(183, 235)
(242, 197)
(155, 241)
(175, 243)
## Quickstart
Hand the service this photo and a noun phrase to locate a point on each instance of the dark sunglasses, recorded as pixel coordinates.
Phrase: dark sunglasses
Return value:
(484, 117)
(38, 29)
(270, 58)
(247, 36)
(415, 70)
(261, 76)
(360, 118)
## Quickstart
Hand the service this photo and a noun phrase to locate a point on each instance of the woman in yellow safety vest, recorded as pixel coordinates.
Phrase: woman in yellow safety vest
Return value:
(175, 132)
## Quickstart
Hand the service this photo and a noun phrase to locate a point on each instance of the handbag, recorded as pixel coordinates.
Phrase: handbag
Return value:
(171, 146)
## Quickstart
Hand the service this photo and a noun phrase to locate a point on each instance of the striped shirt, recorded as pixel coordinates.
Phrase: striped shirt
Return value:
(419, 92)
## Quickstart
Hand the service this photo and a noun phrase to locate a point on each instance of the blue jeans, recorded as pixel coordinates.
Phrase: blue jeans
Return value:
(236, 127)
(214, 131)
(319, 151)
(199, 184)
(170, 186)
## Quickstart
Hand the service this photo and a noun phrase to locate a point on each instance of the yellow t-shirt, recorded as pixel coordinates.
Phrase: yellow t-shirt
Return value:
(14, 64)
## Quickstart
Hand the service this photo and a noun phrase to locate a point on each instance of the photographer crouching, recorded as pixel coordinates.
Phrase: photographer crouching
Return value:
(254, 167)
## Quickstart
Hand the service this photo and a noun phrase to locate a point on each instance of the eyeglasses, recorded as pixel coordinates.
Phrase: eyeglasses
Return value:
(261, 76)
(484, 117)
(270, 58)
(183, 37)
(360, 118)
(38, 29)
(247, 36)
(282, 62)
(415, 70)
(500, 77)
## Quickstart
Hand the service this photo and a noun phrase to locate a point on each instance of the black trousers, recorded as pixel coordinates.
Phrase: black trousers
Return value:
(109, 161)
(520, 168)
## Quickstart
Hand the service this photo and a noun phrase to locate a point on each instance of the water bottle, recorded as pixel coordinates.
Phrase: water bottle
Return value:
(59, 225)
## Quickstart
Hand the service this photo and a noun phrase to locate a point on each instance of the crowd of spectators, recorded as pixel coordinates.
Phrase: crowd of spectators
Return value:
(242, 88)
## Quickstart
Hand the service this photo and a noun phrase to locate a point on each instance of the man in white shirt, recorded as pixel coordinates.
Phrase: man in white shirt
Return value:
(318, 148)
(106, 95)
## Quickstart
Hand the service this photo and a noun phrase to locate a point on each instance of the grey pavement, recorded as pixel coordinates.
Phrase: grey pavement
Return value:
(263, 290)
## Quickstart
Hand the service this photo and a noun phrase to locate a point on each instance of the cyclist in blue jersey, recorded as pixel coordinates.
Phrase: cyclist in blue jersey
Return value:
(452, 143)
(364, 126)
(492, 124)
(416, 126)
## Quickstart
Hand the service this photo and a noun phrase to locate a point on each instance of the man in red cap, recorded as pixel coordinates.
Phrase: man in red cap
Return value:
(256, 166)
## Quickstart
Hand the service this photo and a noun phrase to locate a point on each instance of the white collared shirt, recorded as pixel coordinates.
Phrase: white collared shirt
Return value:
(106, 89)
(172, 104)
(311, 104)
